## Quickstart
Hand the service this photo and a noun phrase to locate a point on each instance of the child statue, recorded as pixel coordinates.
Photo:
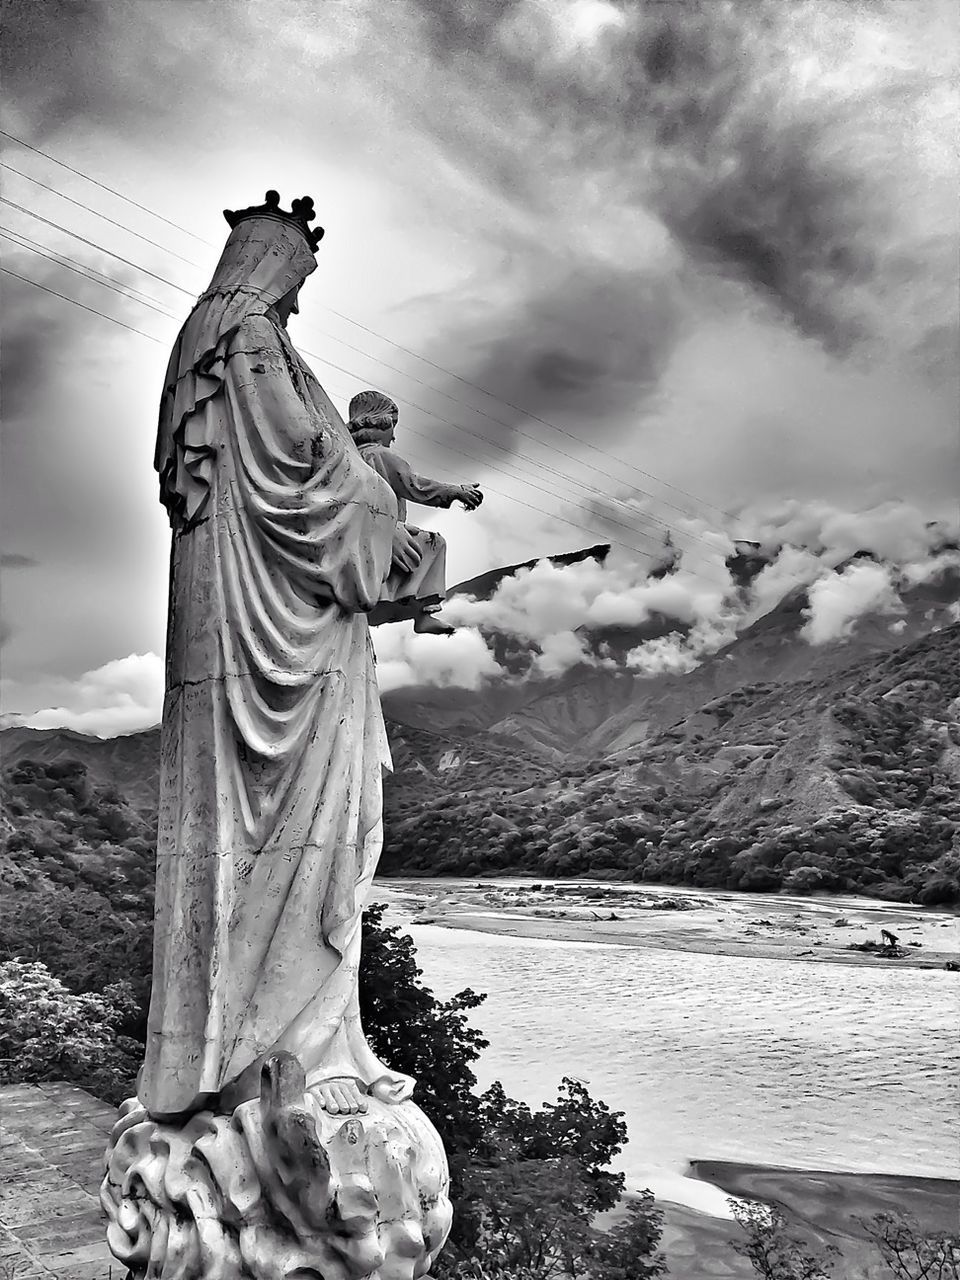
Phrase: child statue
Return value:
(419, 593)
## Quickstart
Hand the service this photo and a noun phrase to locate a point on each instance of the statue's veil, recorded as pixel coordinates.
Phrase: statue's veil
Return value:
(263, 259)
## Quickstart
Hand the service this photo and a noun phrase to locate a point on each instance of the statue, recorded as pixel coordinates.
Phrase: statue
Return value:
(373, 425)
(264, 1122)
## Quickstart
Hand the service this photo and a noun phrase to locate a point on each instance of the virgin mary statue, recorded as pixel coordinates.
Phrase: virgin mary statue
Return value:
(272, 739)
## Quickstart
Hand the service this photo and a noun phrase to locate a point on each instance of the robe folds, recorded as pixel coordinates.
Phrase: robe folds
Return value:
(273, 740)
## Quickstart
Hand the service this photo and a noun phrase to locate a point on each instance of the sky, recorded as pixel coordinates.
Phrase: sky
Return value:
(640, 268)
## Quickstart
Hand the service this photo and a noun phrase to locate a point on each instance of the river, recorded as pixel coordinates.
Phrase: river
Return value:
(769, 1061)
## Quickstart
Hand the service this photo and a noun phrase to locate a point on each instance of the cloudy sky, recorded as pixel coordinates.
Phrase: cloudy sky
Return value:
(637, 266)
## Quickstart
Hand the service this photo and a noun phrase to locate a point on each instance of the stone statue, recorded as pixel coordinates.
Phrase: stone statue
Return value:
(373, 424)
(270, 820)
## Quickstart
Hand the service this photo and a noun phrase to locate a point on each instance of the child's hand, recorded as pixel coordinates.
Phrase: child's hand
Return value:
(406, 554)
(470, 496)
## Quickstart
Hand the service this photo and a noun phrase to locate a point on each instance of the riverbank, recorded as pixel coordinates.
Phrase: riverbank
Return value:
(677, 919)
(823, 1208)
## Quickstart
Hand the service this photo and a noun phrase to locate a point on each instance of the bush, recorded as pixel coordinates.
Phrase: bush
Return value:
(49, 1033)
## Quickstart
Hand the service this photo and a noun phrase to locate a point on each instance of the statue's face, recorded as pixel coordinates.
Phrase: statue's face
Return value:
(286, 306)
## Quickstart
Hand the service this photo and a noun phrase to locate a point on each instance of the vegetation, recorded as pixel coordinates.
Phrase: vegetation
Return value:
(526, 1183)
(76, 909)
(49, 1033)
(774, 1252)
(792, 787)
(777, 1252)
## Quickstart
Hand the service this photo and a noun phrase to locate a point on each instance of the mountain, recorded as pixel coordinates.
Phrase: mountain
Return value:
(593, 711)
(484, 585)
(423, 761)
(775, 762)
(847, 779)
(129, 762)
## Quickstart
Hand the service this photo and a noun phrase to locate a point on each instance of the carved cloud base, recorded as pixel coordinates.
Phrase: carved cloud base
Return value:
(279, 1190)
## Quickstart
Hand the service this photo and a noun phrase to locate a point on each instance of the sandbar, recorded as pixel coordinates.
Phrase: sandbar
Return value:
(823, 1208)
(769, 926)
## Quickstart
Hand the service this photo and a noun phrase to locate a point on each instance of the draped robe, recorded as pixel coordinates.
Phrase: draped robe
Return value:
(272, 738)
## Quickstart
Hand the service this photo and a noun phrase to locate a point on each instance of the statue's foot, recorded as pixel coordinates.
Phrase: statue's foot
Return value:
(393, 1087)
(428, 624)
(340, 1096)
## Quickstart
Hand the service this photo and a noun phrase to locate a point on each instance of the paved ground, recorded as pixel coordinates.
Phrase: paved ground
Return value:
(52, 1141)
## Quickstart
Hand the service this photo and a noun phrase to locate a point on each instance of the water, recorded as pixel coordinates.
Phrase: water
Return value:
(768, 1061)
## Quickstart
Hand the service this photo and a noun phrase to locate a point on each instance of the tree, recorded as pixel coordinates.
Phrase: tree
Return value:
(526, 1184)
(528, 1216)
(628, 1250)
(420, 1035)
(911, 1255)
(49, 1033)
(773, 1252)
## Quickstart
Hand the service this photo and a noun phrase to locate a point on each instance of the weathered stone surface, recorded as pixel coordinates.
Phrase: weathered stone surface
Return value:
(270, 827)
(280, 1188)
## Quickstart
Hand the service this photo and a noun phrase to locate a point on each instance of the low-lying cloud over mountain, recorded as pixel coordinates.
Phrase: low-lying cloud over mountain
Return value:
(541, 621)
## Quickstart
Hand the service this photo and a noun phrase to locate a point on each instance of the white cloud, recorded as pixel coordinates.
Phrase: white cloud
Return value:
(560, 652)
(838, 600)
(404, 658)
(122, 696)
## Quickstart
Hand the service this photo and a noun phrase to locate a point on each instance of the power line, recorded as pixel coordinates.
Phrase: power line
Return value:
(103, 186)
(96, 212)
(528, 414)
(89, 273)
(103, 315)
(421, 408)
(551, 515)
(524, 434)
(522, 478)
(93, 245)
(36, 284)
(415, 355)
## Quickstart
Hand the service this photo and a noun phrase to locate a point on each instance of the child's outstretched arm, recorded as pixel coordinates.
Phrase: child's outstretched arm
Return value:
(405, 483)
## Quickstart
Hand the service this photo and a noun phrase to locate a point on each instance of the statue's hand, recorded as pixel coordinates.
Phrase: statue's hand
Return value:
(470, 496)
(406, 554)
(393, 1088)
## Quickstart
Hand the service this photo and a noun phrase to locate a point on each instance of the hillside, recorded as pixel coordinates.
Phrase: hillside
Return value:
(848, 779)
(423, 763)
(774, 763)
(591, 710)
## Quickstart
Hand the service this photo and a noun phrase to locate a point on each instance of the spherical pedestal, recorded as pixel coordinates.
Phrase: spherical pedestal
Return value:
(278, 1190)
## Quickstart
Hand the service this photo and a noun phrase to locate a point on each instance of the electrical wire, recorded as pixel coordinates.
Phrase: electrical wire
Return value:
(102, 185)
(89, 273)
(96, 212)
(700, 502)
(46, 289)
(562, 475)
(93, 245)
(522, 478)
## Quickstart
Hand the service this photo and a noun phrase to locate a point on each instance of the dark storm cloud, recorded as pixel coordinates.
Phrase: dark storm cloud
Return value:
(65, 62)
(47, 45)
(40, 329)
(587, 342)
(698, 112)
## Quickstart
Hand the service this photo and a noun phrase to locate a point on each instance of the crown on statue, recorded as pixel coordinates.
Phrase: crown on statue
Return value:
(300, 216)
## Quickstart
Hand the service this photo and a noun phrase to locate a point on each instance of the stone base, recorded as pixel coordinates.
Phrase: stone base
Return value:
(279, 1190)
